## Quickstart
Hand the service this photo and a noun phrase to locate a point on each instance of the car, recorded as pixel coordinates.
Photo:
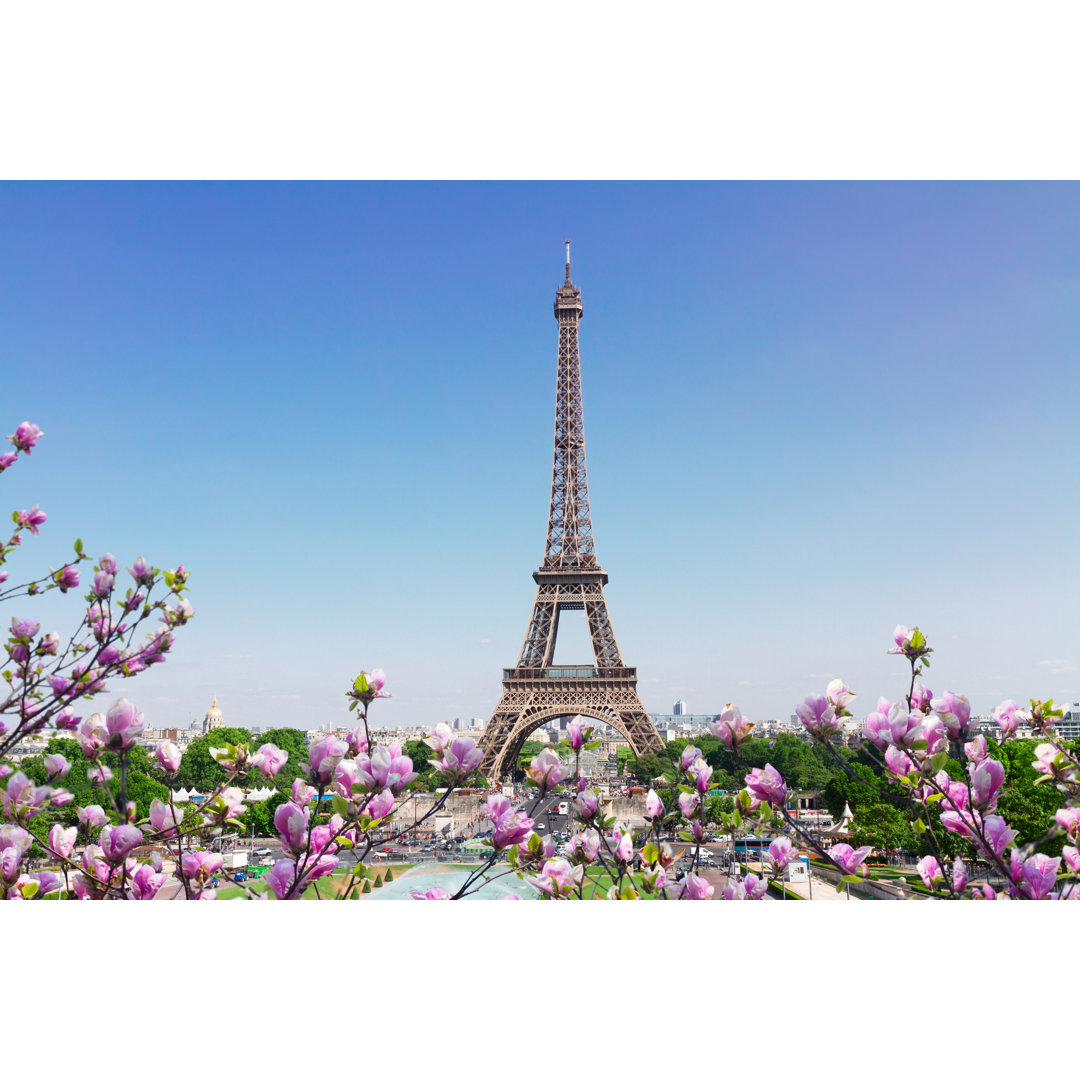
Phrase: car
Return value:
(261, 851)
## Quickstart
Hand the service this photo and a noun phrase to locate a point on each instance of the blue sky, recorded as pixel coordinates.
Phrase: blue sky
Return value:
(813, 411)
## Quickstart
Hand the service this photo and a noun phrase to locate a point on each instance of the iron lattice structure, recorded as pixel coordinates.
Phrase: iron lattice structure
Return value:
(570, 579)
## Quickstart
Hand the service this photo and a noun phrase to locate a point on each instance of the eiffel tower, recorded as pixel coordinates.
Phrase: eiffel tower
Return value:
(570, 579)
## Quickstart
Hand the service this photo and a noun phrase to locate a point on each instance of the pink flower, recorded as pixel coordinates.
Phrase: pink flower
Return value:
(67, 577)
(998, 835)
(269, 759)
(955, 712)
(1034, 877)
(898, 761)
(818, 716)
(440, 738)
(165, 818)
(750, 888)
(986, 781)
(281, 877)
(838, 694)
(117, 841)
(623, 845)
(579, 732)
(168, 756)
(688, 803)
(56, 765)
(910, 643)
(976, 749)
(291, 823)
(584, 847)
(25, 437)
(546, 771)
(432, 894)
(691, 887)
(929, 869)
(781, 853)
(31, 519)
(654, 808)
(380, 805)
(688, 757)
(510, 827)
(123, 723)
(847, 859)
(558, 878)
(700, 772)
(324, 757)
(62, 841)
(959, 876)
(768, 785)
(456, 761)
(1068, 818)
(91, 817)
(369, 686)
(357, 741)
(920, 698)
(732, 727)
(200, 866)
(1009, 715)
(145, 883)
(586, 804)
(1072, 858)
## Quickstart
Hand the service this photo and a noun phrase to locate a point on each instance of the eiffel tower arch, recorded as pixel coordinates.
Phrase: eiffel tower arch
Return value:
(535, 690)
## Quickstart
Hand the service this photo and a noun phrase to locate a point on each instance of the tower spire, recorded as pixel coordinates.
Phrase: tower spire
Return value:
(567, 262)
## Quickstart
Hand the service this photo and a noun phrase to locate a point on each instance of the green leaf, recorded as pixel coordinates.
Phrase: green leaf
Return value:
(650, 853)
(920, 744)
(840, 885)
(919, 826)
(688, 837)
(851, 879)
(30, 889)
(937, 762)
(341, 806)
(78, 547)
(917, 639)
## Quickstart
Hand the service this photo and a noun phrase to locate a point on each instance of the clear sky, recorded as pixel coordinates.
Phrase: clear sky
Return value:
(813, 411)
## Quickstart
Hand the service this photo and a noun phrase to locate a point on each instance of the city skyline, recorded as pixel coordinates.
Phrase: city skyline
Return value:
(813, 411)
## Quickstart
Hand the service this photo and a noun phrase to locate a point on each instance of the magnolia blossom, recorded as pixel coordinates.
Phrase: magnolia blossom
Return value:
(768, 785)
(732, 727)
(839, 694)
(323, 758)
(688, 757)
(586, 804)
(291, 821)
(955, 712)
(56, 765)
(62, 841)
(269, 759)
(688, 803)
(25, 437)
(381, 805)
(584, 847)
(123, 723)
(1068, 818)
(986, 780)
(432, 894)
(749, 888)
(578, 732)
(976, 750)
(959, 876)
(558, 878)
(164, 817)
(456, 761)
(91, 816)
(546, 770)
(921, 697)
(1034, 877)
(818, 716)
(117, 840)
(168, 756)
(280, 879)
(440, 738)
(622, 844)
(700, 772)
(691, 887)
(847, 859)
(781, 852)
(998, 835)
(929, 869)
(145, 882)
(654, 808)
(1009, 715)
(509, 826)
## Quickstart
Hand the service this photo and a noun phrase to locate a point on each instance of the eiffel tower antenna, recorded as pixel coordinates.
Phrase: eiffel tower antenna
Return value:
(569, 579)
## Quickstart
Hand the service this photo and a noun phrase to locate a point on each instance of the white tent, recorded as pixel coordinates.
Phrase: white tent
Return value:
(180, 796)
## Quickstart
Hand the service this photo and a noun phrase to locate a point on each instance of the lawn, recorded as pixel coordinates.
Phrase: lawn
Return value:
(329, 887)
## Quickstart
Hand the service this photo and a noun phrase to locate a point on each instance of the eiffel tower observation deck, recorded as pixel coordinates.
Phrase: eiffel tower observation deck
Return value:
(569, 579)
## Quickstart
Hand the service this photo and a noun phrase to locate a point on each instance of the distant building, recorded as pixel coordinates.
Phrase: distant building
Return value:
(213, 718)
(679, 708)
(457, 724)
